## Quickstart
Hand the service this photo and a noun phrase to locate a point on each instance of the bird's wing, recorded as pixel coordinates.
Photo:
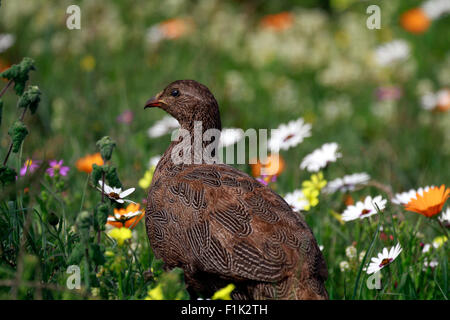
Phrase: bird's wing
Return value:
(227, 223)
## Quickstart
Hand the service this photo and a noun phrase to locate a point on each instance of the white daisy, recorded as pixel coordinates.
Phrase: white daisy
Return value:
(405, 197)
(289, 135)
(230, 136)
(6, 41)
(321, 157)
(296, 200)
(384, 259)
(116, 194)
(124, 217)
(364, 209)
(445, 217)
(163, 126)
(436, 8)
(347, 183)
(391, 52)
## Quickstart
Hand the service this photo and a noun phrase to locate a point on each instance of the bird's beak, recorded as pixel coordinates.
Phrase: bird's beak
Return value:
(153, 102)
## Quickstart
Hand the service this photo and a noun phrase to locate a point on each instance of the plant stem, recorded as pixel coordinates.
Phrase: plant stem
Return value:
(443, 228)
(6, 88)
(22, 116)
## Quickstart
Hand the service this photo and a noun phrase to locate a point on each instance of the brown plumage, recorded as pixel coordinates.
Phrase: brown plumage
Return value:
(222, 226)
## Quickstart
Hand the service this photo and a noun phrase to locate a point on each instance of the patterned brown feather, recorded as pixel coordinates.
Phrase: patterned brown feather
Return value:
(222, 226)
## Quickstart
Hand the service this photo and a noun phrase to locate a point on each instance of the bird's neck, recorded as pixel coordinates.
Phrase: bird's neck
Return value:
(195, 143)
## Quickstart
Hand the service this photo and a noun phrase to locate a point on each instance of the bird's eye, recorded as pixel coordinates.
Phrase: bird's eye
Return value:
(175, 93)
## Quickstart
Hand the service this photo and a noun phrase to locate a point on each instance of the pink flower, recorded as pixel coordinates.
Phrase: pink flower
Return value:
(389, 93)
(264, 179)
(125, 117)
(29, 166)
(56, 167)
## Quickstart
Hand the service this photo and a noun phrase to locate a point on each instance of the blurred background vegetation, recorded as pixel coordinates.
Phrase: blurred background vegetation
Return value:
(267, 62)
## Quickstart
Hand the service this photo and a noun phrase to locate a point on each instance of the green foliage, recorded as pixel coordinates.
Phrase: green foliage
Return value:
(7, 175)
(19, 73)
(106, 146)
(18, 131)
(30, 98)
(1, 111)
(101, 215)
(97, 172)
(112, 177)
(321, 68)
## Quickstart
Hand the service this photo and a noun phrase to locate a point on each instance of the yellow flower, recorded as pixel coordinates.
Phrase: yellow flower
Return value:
(317, 182)
(224, 293)
(87, 63)
(155, 293)
(312, 196)
(145, 182)
(439, 241)
(120, 235)
(109, 253)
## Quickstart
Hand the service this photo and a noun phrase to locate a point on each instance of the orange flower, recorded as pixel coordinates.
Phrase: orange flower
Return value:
(126, 217)
(4, 65)
(415, 21)
(273, 167)
(443, 102)
(85, 164)
(278, 22)
(430, 202)
(175, 28)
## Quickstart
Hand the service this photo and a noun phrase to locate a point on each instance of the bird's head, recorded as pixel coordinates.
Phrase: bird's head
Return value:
(188, 101)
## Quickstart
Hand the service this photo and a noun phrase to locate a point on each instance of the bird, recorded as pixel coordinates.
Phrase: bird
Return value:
(219, 224)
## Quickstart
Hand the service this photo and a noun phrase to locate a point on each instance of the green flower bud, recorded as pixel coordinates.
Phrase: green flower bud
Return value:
(18, 131)
(53, 219)
(30, 98)
(106, 146)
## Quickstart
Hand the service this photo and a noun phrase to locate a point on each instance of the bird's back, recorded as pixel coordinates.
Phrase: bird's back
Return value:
(222, 226)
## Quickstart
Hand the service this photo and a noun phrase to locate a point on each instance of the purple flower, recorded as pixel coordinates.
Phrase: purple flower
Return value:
(29, 166)
(56, 167)
(265, 179)
(389, 93)
(126, 117)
